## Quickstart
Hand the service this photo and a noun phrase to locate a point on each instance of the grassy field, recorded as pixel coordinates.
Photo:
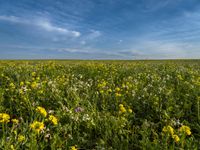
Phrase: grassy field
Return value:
(100, 105)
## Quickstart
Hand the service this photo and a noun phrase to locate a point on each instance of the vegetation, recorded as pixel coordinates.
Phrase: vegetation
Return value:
(100, 105)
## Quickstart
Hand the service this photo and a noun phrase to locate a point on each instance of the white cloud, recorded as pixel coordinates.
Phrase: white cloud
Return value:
(43, 24)
(14, 19)
(73, 50)
(154, 49)
(46, 25)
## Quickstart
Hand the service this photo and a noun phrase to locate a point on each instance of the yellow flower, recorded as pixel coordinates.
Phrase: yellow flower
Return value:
(42, 111)
(185, 129)
(101, 91)
(109, 90)
(130, 110)
(41, 92)
(34, 85)
(21, 83)
(73, 148)
(122, 109)
(15, 132)
(168, 129)
(118, 94)
(53, 119)
(37, 126)
(33, 74)
(176, 138)
(15, 121)
(12, 147)
(21, 138)
(4, 118)
(117, 89)
(121, 105)
(12, 85)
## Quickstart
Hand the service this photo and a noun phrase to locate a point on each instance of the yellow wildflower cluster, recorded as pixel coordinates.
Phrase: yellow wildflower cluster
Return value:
(42, 111)
(53, 119)
(12, 85)
(122, 109)
(130, 110)
(4, 118)
(102, 84)
(37, 126)
(185, 129)
(15, 121)
(176, 138)
(73, 148)
(168, 129)
(21, 83)
(117, 92)
(12, 147)
(33, 74)
(34, 85)
(117, 89)
(21, 138)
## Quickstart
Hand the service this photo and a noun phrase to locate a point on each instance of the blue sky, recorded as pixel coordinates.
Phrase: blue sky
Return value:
(99, 29)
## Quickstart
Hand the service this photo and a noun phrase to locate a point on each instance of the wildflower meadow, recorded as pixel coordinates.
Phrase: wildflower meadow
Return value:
(99, 105)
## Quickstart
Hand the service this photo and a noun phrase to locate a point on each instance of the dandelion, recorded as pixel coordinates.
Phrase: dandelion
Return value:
(185, 129)
(42, 111)
(4, 118)
(15, 121)
(37, 126)
(53, 119)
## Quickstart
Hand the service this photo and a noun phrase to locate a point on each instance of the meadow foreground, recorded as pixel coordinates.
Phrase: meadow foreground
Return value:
(100, 105)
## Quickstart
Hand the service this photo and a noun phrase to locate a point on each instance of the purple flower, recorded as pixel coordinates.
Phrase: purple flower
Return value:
(78, 109)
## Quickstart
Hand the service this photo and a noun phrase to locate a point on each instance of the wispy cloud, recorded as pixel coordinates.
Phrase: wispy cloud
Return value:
(94, 34)
(46, 25)
(14, 19)
(41, 23)
(154, 49)
(153, 5)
